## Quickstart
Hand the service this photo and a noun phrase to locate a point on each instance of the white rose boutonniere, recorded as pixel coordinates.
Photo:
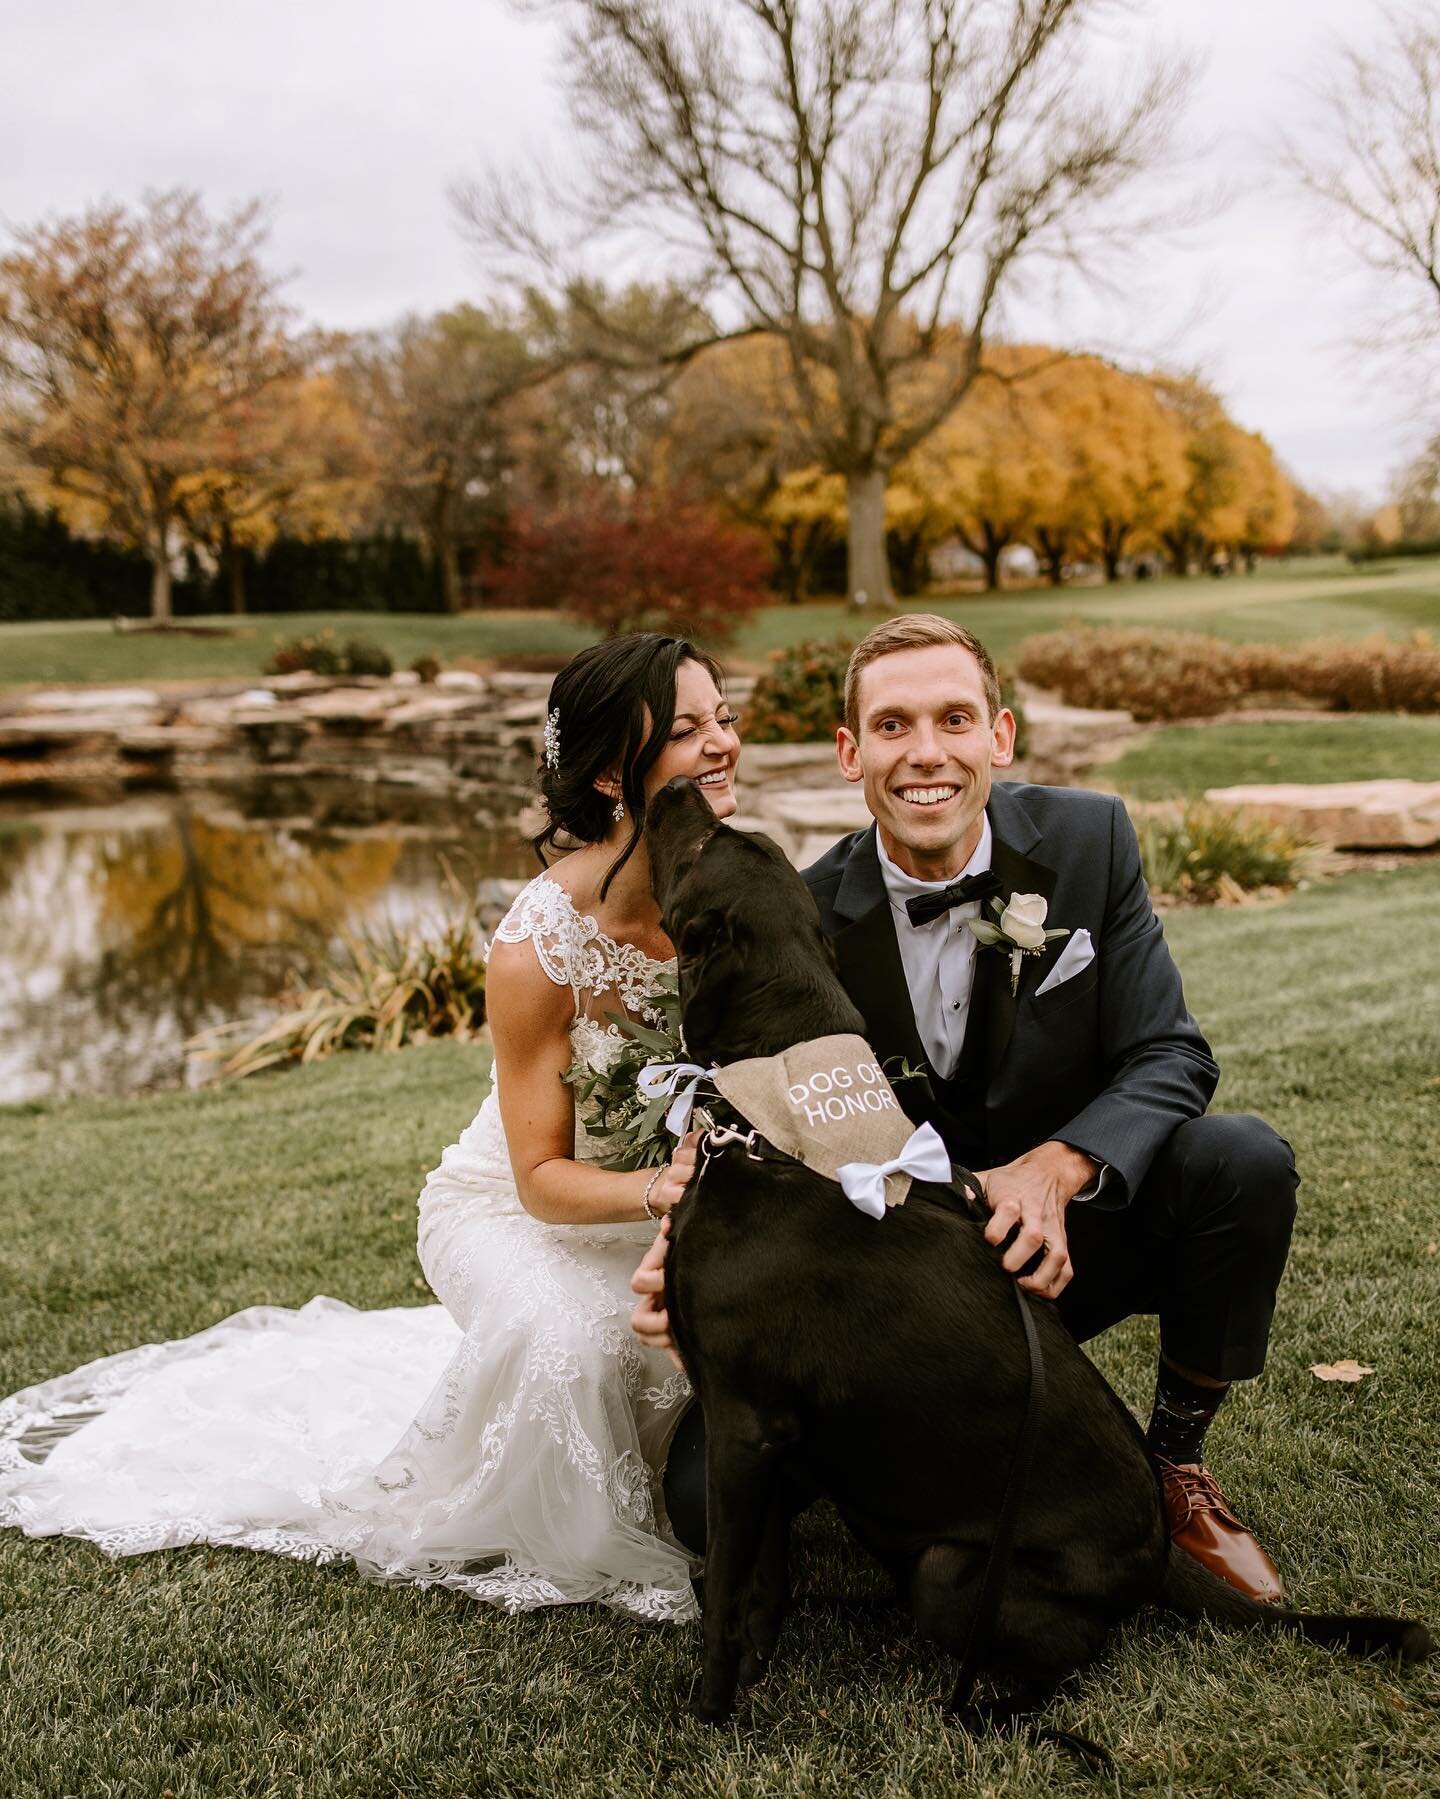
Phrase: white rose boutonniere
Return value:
(1019, 929)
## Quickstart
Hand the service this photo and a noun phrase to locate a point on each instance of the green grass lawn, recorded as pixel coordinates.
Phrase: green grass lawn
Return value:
(87, 650)
(1186, 759)
(203, 1673)
(1283, 604)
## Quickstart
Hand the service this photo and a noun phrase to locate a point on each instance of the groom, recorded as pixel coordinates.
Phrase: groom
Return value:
(1080, 1097)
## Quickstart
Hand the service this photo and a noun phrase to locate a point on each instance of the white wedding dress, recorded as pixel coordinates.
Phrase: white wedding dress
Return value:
(506, 1443)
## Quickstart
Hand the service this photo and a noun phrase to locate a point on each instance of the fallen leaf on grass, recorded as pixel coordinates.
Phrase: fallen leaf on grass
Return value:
(1346, 1371)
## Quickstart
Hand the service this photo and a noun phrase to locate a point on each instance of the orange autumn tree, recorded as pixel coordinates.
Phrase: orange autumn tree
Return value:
(135, 349)
(309, 471)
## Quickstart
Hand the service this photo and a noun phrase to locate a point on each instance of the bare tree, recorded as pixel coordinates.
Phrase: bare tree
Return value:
(432, 392)
(134, 351)
(858, 179)
(1373, 163)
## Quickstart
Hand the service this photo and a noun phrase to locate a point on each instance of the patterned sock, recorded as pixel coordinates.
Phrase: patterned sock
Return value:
(1181, 1416)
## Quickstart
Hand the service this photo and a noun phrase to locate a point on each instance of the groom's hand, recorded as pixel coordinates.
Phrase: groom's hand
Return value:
(1028, 1197)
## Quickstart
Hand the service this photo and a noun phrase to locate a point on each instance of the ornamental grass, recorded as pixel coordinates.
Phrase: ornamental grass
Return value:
(380, 990)
(1203, 855)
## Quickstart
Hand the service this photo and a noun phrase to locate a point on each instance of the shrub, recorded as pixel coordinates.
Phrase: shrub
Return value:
(1177, 674)
(1204, 855)
(801, 697)
(362, 657)
(649, 563)
(323, 654)
(383, 989)
(427, 667)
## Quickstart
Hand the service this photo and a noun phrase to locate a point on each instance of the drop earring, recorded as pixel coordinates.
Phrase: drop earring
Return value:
(619, 813)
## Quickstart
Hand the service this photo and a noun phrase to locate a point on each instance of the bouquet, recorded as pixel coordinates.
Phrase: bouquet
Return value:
(609, 1101)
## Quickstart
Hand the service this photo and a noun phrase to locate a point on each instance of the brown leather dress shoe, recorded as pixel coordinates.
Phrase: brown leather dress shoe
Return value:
(1203, 1525)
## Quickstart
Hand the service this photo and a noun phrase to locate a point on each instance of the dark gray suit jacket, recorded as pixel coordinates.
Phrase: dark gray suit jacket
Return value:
(1110, 1061)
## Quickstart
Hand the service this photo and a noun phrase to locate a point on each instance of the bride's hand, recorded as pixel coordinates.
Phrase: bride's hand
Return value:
(669, 1189)
(650, 1321)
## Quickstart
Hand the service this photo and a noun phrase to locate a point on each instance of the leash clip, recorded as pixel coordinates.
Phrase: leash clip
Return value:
(721, 1136)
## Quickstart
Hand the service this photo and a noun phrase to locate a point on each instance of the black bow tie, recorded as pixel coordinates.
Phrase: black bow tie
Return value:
(926, 906)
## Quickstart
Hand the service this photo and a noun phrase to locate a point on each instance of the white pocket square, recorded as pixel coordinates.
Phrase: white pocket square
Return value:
(1078, 953)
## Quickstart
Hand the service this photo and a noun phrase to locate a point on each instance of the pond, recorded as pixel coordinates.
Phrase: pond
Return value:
(127, 928)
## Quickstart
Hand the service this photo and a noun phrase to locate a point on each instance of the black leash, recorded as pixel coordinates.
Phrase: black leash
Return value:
(997, 1564)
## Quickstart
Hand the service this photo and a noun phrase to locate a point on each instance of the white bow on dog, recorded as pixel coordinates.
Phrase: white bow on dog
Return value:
(924, 1158)
(660, 1080)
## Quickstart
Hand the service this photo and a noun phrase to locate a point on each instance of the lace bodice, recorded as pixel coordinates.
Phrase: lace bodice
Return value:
(574, 952)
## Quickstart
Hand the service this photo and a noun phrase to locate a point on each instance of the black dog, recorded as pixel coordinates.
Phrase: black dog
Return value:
(886, 1363)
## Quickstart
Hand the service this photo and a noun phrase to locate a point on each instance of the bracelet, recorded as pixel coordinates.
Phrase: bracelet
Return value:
(650, 1211)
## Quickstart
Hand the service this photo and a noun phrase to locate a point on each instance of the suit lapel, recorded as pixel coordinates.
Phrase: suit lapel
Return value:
(992, 1004)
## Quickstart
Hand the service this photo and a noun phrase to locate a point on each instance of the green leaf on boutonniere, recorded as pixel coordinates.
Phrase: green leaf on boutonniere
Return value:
(985, 932)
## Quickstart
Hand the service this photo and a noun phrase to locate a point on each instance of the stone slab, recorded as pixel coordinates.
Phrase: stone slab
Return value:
(93, 699)
(430, 708)
(816, 809)
(350, 705)
(760, 761)
(1347, 814)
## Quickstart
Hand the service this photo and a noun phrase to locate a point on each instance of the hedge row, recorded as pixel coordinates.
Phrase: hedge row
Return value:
(1177, 674)
(48, 573)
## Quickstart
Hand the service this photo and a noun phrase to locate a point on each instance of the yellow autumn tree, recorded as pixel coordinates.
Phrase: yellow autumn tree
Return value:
(997, 465)
(1125, 461)
(1268, 501)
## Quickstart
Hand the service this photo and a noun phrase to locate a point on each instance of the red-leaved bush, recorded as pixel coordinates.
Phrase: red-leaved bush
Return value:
(652, 563)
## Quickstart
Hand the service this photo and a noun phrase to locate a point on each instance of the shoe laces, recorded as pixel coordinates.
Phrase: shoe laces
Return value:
(1195, 1490)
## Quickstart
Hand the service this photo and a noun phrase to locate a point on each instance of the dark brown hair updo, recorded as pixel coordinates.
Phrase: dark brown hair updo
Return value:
(616, 704)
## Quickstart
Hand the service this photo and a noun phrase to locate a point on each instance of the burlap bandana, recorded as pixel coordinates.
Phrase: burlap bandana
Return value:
(827, 1103)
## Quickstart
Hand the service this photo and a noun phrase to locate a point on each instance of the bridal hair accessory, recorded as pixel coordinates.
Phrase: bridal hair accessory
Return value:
(924, 1158)
(552, 738)
(1019, 929)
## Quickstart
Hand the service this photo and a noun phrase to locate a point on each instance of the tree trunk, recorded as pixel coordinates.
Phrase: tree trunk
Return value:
(233, 565)
(449, 558)
(910, 558)
(160, 610)
(868, 570)
(444, 548)
(1052, 557)
(992, 546)
(1112, 548)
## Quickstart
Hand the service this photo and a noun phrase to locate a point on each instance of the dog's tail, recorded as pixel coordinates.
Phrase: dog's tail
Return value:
(1193, 1590)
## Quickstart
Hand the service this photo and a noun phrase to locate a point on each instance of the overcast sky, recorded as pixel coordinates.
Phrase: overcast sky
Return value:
(354, 118)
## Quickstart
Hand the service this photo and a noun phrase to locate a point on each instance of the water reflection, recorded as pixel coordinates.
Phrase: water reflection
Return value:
(127, 929)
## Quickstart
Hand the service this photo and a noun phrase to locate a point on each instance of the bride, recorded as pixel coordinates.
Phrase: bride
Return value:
(508, 1441)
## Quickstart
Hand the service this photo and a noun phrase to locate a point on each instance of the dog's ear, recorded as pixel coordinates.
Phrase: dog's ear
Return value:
(703, 934)
(711, 959)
